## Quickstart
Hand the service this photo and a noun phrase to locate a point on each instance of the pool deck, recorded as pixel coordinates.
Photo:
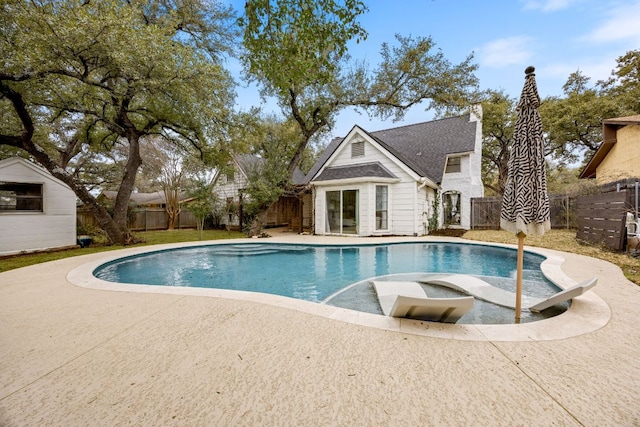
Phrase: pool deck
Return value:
(75, 354)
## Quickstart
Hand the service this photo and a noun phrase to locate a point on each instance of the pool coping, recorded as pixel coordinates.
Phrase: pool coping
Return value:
(586, 314)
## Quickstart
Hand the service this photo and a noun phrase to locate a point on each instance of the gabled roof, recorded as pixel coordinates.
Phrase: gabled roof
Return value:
(423, 147)
(324, 156)
(251, 163)
(248, 163)
(155, 198)
(32, 166)
(609, 134)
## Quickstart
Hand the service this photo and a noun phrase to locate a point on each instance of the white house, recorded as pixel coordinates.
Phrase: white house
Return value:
(395, 181)
(37, 211)
(229, 185)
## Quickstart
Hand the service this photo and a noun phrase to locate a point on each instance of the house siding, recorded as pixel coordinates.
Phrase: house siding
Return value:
(468, 182)
(415, 158)
(224, 189)
(54, 227)
(623, 159)
(403, 217)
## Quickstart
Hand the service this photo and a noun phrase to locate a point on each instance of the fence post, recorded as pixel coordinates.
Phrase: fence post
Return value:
(636, 201)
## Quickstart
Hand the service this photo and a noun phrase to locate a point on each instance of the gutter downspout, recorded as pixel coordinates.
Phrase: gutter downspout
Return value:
(424, 181)
(423, 184)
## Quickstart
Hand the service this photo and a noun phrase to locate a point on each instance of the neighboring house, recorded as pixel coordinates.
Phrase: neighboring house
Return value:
(147, 211)
(618, 157)
(389, 182)
(37, 211)
(229, 185)
(156, 199)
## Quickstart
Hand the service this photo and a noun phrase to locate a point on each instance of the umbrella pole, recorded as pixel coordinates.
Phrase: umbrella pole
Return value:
(519, 275)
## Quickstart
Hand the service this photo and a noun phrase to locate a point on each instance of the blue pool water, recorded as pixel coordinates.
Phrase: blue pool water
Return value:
(314, 273)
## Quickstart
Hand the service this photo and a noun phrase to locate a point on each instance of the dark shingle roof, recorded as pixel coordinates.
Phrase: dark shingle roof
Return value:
(249, 163)
(423, 147)
(369, 170)
(335, 142)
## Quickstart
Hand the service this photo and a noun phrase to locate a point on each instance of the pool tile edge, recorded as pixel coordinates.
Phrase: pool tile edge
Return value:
(587, 313)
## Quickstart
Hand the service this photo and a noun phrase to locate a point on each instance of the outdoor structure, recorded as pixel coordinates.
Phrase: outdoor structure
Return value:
(229, 184)
(618, 156)
(292, 209)
(37, 211)
(400, 180)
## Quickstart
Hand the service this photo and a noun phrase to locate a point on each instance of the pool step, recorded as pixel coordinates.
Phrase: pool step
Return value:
(255, 249)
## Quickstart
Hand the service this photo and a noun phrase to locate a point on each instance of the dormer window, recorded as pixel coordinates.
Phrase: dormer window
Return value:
(453, 165)
(357, 149)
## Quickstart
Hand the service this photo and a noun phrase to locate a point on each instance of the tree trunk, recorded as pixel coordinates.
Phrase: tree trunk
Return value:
(258, 222)
(172, 206)
(503, 170)
(134, 162)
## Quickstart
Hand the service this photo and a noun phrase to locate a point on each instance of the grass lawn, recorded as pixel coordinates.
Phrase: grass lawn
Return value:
(149, 238)
(561, 240)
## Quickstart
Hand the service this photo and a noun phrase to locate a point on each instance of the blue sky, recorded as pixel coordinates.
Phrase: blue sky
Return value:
(558, 37)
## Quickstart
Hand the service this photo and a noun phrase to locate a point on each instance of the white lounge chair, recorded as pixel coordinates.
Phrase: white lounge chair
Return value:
(566, 295)
(487, 292)
(409, 300)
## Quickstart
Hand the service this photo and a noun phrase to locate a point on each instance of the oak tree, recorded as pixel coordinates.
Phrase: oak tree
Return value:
(82, 80)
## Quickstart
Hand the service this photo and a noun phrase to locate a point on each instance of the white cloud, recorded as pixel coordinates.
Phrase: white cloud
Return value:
(596, 69)
(501, 53)
(622, 23)
(548, 5)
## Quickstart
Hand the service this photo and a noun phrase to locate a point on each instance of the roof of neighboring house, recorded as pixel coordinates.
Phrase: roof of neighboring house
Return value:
(423, 147)
(375, 169)
(155, 198)
(250, 163)
(298, 178)
(609, 129)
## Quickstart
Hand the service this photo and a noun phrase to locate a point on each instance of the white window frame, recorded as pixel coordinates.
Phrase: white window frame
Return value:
(378, 223)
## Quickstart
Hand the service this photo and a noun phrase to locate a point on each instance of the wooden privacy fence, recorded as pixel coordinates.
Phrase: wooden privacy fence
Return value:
(144, 219)
(485, 212)
(601, 219)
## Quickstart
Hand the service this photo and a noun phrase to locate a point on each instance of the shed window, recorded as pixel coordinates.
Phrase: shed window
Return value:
(16, 196)
(357, 149)
(453, 165)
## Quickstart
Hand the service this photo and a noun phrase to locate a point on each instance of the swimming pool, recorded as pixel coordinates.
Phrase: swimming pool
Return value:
(335, 274)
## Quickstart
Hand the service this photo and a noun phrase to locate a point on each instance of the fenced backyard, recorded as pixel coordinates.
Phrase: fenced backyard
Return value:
(148, 219)
(598, 218)
(485, 212)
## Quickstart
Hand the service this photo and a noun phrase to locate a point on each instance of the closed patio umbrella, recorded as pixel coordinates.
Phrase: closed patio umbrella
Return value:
(525, 203)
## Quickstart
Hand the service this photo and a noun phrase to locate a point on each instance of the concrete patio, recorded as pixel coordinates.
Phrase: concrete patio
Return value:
(72, 354)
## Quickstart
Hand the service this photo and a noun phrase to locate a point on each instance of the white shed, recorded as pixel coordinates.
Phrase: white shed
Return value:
(37, 211)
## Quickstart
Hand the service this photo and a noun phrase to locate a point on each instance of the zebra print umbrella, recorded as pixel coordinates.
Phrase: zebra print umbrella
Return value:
(525, 203)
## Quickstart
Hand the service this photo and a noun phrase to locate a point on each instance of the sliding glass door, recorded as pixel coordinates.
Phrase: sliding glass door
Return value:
(342, 212)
